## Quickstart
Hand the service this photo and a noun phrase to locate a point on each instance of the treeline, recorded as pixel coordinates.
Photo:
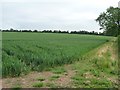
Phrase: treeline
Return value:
(55, 31)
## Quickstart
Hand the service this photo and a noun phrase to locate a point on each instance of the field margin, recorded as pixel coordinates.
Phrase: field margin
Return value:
(0, 59)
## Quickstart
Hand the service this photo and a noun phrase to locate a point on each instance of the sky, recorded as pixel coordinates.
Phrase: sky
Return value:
(67, 15)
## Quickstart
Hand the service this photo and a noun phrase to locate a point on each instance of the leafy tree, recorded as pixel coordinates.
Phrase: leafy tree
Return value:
(110, 21)
(11, 29)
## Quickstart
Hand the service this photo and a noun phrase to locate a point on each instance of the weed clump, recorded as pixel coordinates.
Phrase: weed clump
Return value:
(38, 84)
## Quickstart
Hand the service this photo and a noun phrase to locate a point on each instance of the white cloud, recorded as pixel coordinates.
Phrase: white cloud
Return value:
(53, 14)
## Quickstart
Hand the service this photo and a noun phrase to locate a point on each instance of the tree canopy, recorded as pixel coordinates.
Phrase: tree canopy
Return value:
(110, 21)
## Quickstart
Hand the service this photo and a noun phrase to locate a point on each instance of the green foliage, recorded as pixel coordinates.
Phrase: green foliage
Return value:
(101, 83)
(106, 65)
(17, 87)
(96, 72)
(119, 54)
(38, 84)
(41, 79)
(119, 46)
(51, 85)
(58, 70)
(91, 82)
(13, 67)
(109, 21)
(23, 52)
(54, 77)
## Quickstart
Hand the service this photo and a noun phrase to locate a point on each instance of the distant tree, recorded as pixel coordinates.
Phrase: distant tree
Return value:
(29, 30)
(11, 29)
(47, 31)
(63, 32)
(101, 33)
(35, 31)
(110, 21)
(56, 31)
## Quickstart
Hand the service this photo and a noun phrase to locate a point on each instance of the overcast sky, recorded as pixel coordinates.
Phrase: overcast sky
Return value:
(53, 14)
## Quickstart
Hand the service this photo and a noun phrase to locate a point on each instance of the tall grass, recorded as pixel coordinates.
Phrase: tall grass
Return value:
(23, 52)
(119, 57)
(119, 46)
(106, 63)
